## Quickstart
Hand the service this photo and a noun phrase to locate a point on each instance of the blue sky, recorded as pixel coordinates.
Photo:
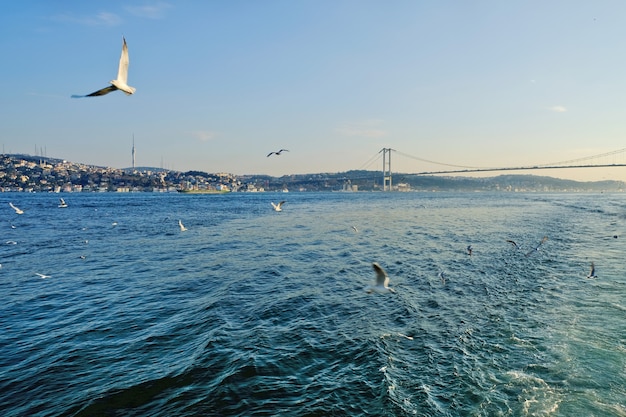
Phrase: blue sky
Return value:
(222, 83)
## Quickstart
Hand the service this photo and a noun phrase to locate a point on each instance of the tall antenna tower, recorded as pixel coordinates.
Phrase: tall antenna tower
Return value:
(133, 152)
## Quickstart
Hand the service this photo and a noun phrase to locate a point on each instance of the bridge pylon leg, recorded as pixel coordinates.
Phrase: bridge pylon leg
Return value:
(387, 186)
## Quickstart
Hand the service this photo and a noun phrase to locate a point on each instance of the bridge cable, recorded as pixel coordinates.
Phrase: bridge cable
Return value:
(585, 158)
(370, 161)
(438, 163)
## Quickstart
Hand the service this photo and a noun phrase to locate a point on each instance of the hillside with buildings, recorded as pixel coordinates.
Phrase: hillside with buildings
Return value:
(26, 173)
(36, 174)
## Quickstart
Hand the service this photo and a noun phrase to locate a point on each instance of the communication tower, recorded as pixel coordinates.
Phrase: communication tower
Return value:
(133, 152)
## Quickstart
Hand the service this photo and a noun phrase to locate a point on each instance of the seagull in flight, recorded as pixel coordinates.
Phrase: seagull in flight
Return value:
(355, 229)
(42, 275)
(592, 272)
(382, 281)
(120, 83)
(182, 226)
(278, 207)
(469, 250)
(277, 153)
(17, 210)
(538, 246)
(62, 203)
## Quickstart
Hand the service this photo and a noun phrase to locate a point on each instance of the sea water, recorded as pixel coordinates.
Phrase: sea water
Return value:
(257, 312)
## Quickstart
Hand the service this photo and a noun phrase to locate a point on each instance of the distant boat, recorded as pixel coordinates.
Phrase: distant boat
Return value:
(191, 191)
(62, 203)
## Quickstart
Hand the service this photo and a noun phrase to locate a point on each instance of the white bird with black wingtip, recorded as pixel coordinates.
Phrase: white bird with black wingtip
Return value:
(382, 281)
(279, 206)
(121, 82)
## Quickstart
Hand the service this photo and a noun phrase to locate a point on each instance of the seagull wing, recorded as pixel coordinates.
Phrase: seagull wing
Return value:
(513, 243)
(122, 72)
(538, 246)
(381, 275)
(101, 92)
(592, 273)
(270, 154)
(17, 210)
(280, 204)
(542, 241)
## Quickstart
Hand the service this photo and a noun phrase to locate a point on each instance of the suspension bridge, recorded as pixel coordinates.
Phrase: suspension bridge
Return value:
(611, 159)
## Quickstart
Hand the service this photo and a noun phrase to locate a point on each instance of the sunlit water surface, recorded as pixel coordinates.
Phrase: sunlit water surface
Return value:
(254, 312)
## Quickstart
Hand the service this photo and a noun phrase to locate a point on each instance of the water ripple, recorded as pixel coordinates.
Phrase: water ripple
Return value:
(252, 312)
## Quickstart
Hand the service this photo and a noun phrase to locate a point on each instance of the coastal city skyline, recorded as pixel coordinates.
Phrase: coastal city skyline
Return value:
(36, 174)
(221, 84)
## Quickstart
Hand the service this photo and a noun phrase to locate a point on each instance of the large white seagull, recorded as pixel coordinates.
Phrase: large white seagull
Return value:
(120, 83)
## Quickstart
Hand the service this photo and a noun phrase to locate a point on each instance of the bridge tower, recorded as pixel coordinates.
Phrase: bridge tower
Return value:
(386, 168)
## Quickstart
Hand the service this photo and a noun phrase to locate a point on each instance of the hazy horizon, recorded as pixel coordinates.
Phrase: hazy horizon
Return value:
(545, 172)
(222, 84)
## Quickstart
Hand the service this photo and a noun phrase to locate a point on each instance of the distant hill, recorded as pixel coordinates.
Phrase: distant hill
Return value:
(16, 175)
(372, 181)
(509, 183)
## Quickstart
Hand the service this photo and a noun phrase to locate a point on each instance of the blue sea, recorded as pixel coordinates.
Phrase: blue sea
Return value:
(257, 312)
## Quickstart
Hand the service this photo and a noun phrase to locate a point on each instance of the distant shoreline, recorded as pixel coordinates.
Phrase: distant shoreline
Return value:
(26, 173)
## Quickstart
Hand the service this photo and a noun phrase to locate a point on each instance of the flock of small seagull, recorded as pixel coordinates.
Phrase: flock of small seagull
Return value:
(63, 204)
(382, 279)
